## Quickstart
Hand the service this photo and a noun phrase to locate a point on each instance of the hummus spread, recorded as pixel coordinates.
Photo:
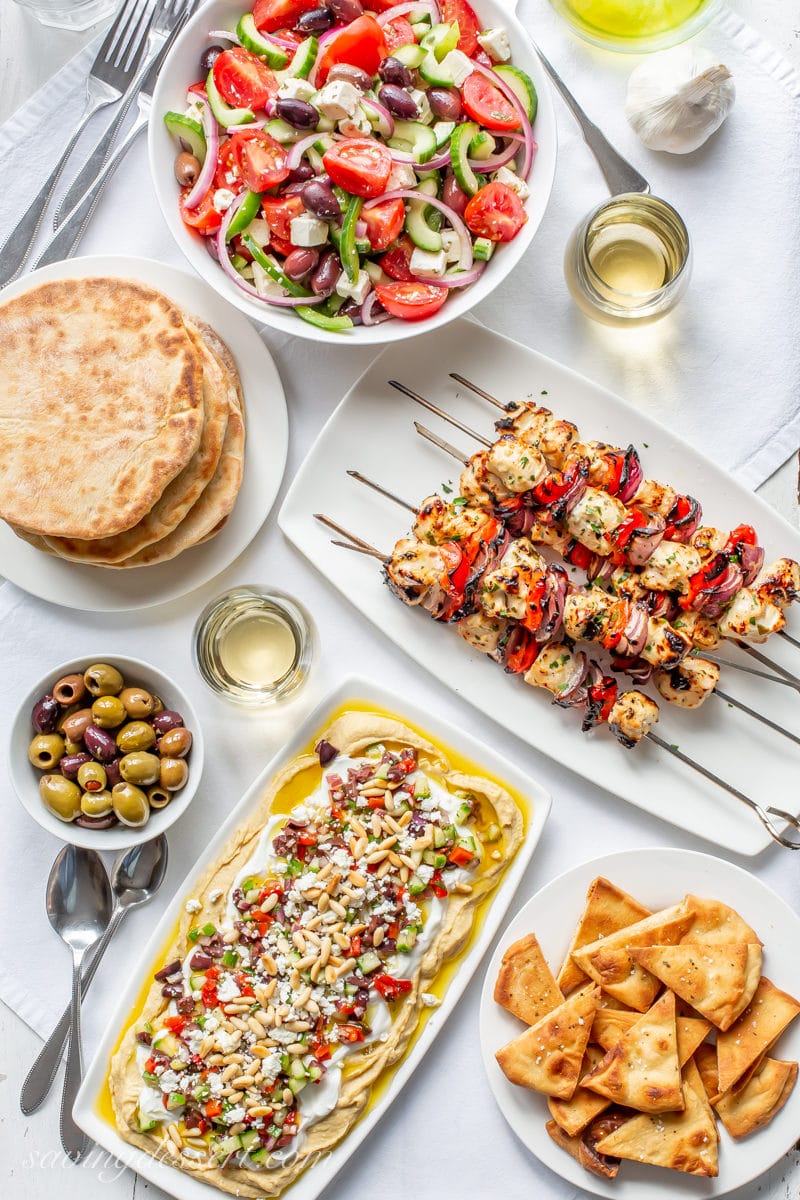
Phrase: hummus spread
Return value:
(301, 967)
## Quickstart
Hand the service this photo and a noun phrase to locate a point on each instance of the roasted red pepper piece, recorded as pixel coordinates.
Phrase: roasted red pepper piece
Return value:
(390, 988)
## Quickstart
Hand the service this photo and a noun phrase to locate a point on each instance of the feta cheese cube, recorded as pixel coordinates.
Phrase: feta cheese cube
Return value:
(222, 199)
(496, 44)
(428, 262)
(337, 99)
(402, 175)
(357, 125)
(451, 244)
(354, 291)
(308, 231)
(264, 285)
(513, 181)
(457, 66)
(296, 89)
(420, 98)
(193, 906)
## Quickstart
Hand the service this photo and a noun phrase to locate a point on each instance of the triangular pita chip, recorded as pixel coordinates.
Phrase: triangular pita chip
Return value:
(684, 1141)
(582, 1153)
(749, 1108)
(764, 1019)
(607, 909)
(525, 985)
(641, 1071)
(705, 1057)
(548, 1056)
(608, 962)
(718, 980)
(574, 1115)
(691, 1076)
(609, 1025)
(716, 922)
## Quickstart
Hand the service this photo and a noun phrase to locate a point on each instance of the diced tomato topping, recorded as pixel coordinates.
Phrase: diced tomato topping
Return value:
(350, 1033)
(392, 929)
(306, 839)
(204, 218)
(459, 856)
(468, 24)
(390, 988)
(361, 166)
(271, 15)
(396, 262)
(274, 888)
(260, 159)
(411, 301)
(398, 32)
(355, 946)
(495, 212)
(198, 89)
(487, 105)
(242, 79)
(213, 1108)
(320, 1049)
(151, 1065)
(375, 802)
(384, 223)
(437, 887)
(361, 44)
(279, 211)
(175, 1024)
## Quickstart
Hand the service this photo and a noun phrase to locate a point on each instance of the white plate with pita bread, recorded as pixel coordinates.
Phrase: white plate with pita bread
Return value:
(658, 879)
(221, 481)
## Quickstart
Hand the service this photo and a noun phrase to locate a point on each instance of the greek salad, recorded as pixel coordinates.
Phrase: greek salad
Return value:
(355, 160)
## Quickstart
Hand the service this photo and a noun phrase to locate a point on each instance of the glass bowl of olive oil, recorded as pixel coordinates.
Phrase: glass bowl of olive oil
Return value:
(637, 25)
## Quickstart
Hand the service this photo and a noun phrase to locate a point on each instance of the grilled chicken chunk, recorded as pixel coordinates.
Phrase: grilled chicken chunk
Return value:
(750, 617)
(593, 518)
(669, 567)
(688, 684)
(632, 717)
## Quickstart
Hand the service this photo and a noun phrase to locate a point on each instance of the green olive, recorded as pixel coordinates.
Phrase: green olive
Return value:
(103, 680)
(130, 804)
(61, 796)
(159, 797)
(92, 777)
(174, 773)
(136, 735)
(46, 750)
(138, 703)
(108, 712)
(140, 767)
(158, 705)
(96, 804)
(75, 725)
(73, 747)
(176, 743)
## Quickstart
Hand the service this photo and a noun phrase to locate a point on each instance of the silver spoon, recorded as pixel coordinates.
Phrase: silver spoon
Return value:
(135, 879)
(79, 909)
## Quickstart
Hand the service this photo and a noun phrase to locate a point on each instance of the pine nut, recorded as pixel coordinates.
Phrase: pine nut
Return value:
(172, 1130)
(270, 903)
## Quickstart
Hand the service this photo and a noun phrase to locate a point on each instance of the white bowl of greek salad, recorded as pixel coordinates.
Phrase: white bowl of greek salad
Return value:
(353, 170)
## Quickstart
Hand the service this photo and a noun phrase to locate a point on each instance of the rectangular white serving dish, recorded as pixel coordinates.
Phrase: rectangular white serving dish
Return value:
(372, 431)
(317, 1177)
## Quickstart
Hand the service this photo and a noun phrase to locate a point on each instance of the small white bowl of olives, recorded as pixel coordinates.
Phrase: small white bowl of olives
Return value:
(106, 752)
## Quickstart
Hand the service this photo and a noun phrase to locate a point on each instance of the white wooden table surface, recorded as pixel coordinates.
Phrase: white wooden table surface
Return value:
(29, 55)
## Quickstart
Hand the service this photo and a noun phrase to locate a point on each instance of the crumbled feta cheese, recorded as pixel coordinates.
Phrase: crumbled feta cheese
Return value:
(222, 199)
(420, 98)
(295, 89)
(194, 1039)
(451, 244)
(428, 262)
(169, 1081)
(496, 44)
(357, 125)
(402, 175)
(227, 1041)
(353, 291)
(457, 66)
(235, 1114)
(215, 1084)
(193, 906)
(308, 231)
(425, 872)
(228, 988)
(217, 893)
(429, 1000)
(513, 181)
(337, 99)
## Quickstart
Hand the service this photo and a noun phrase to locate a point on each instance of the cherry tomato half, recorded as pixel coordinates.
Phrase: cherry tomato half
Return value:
(361, 166)
(262, 160)
(361, 44)
(398, 32)
(397, 261)
(242, 79)
(487, 105)
(411, 301)
(205, 218)
(468, 24)
(384, 223)
(279, 212)
(272, 15)
(229, 172)
(495, 212)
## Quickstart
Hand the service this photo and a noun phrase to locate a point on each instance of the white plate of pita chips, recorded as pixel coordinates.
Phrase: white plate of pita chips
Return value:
(639, 1025)
(143, 433)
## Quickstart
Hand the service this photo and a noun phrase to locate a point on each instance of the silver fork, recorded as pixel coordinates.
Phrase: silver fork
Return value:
(110, 73)
(72, 229)
(164, 17)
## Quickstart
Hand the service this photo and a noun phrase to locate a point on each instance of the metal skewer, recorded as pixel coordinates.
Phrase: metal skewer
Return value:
(440, 412)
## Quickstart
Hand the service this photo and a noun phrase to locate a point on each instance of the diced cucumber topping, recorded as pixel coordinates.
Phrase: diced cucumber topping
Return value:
(522, 86)
(189, 132)
(410, 55)
(248, 1138)
(283, 132)
(416, 885)
(250, 207)
(369, 961)
(304, 58)
(441, 39)
(416, 138)
(297, 1085)
(259, 1156)
(224, 113)
(434, 860)
(229, 1145)
(406, 939)
(482, 145)
(248, 34)
(175, 1100)
(483, 249)
(463, 812)
(146, 1124)
(297, 1070)
(459, 154)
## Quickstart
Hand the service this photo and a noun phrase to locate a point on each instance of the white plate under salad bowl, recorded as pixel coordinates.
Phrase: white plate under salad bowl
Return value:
(656, 877)
(181, 69)
(372, 431)
(87, 1110)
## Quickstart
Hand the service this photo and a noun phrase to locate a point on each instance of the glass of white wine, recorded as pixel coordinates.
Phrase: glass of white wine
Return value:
(637, 25)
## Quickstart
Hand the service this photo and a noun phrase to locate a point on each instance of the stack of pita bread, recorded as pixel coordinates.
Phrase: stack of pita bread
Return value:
(121, 423)
(619, 1041)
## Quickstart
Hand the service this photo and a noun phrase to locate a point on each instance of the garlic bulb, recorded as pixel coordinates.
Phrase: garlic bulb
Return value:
(678, 98)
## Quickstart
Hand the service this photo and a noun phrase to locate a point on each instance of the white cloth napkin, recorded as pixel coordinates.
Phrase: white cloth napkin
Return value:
(725, 370)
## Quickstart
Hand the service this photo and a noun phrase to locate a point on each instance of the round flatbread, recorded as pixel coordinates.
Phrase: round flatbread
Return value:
(101, 405)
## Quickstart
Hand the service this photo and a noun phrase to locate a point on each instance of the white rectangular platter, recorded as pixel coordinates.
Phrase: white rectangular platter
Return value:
(372, 431)
(317, 1177)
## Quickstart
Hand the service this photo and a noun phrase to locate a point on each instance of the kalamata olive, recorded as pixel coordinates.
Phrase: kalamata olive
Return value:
(391, 70)
(44, 715)
(187, 168)
(453, 195)
(136, 735)
(298, 113)
(319, 199)
(171, 991)
(108, 712)
(92, 776)
(351, 309)
(105, 822)
(100, 744)
(71, 764)
(46, 750)
(112, 771)
(346, 11)
(200, 961)
(158, 797)
(70, 689)
(96, 804)
(445, 103)
(324, 279)
(61, 796)
(398, 102)
(185, 1005)
(130, 804)
(296, 265)
(138, 703)
(103, 680)
(314, 20)
(209, 57)
(168, 971)
(140, 767)
(74, 726)
(301, 173)
(165, 720)
(350, 74)
(174, 773)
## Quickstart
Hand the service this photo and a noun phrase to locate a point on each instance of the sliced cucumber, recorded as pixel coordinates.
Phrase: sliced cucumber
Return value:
(229, 1145)
(283, 132)
(416, 885)
(418, 139)
(249, 1138)
(410, 55)
(419, 230)
(433, 859)
(225, 114)
(189, 132)
(406, 939)
(259, 1156)
(522, 87)
(441, 39)
(247, 213)
(482, 145)
(459, 153)
(248, 34)
(367, 962)
(437, 73)
(443, 131)
(304, 58)
(146, 1124)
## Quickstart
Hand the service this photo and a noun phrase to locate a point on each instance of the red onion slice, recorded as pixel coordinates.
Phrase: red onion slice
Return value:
(224, 33)
(511, 96)
(482, 166)
(634, 635)
(456, 280)
(206, 176)
(713, 600)
(751, 559)
(400, 10)
(632, 475)
(575, 693)
(322, 42)
(465, 257)
(244, 284)
(368, 314)
(296, 152)
(643, 542)
(385, 123)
